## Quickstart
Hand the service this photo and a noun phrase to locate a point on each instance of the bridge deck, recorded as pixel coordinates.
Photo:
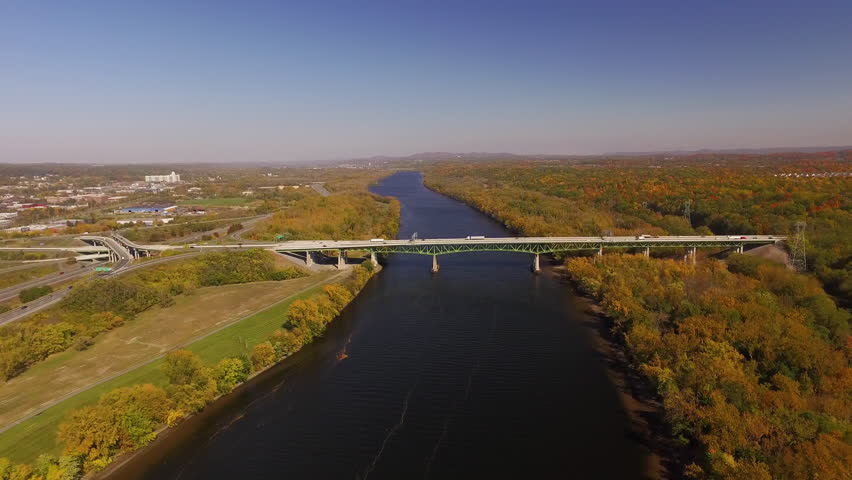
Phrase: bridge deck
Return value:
(440, 246)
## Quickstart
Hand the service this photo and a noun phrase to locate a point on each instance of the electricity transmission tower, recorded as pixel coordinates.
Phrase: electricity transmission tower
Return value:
(797, 248)
(687, 212)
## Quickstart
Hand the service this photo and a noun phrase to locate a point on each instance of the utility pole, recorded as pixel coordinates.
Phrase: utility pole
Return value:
(798, 250)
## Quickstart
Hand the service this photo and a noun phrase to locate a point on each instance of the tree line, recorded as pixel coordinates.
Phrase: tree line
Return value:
(751, 360)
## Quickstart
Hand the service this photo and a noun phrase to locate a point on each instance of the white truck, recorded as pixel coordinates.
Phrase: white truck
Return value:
(475, 237)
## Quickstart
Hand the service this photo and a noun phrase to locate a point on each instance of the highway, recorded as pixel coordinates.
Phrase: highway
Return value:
(70, 272)
(48, 300)
(35, 306)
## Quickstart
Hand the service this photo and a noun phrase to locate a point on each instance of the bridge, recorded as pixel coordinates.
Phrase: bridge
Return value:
(535, 246)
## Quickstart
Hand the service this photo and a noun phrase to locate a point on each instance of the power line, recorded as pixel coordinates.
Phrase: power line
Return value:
(797, 248)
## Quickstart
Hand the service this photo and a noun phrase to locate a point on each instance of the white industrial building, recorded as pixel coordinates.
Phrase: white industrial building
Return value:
(170, 178)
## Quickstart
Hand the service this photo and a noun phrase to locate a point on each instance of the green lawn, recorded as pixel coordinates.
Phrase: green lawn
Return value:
(218, 202)
(36, 435)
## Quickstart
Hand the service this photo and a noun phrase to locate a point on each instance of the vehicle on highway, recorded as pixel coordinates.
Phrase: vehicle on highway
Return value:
(377, 240)
(734, 237)
(475, 237)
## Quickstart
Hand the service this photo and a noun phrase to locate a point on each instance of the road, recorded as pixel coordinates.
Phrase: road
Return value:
(248, 225)
(320, 188)
(48, 300)
(73, 271)
(35, 306)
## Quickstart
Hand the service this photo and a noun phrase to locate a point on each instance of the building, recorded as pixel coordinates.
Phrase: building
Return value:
(170, 178)
(158, 209)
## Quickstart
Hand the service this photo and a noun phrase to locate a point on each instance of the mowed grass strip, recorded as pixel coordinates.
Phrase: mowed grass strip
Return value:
(36, 435)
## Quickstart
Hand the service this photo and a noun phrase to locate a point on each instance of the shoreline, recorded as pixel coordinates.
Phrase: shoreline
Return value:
(141, 364)
(641, 403)
(166, 433)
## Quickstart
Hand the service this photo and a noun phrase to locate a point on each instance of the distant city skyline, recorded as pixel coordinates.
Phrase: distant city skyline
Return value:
(258, 81)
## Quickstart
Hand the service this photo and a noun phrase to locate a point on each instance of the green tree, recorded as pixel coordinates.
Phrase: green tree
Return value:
(29, 294)
(230, 372)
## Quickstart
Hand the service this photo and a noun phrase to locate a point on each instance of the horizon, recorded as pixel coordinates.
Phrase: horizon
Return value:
(265, 82)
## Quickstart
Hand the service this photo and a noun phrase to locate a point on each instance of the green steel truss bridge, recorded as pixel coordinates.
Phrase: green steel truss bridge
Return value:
(531, 245)
(123, 251)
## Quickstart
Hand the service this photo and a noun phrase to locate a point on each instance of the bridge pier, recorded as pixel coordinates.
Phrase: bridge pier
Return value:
(647, 251)
(309, 260)
(693, 255)
(341, 259)
(373, 259)
(740, 248)
(536, 267)
(600, 251)
(435, 266)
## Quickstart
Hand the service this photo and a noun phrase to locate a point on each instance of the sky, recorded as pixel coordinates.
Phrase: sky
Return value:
(276, 81)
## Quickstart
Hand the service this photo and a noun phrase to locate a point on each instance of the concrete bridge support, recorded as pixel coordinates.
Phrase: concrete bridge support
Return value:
(647, 251)
(341, 259)
(600, 250)
(740, 248)
(309, 259)
(435, 266)
(693, 255)
(373, 259)
(536, 267)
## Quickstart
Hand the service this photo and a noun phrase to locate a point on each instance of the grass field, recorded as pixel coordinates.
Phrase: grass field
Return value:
(218, 202)
(36, 435)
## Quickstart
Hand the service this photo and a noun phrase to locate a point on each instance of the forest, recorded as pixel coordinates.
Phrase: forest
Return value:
(751, 360)
(128, 418)
(102, 304)
(536, 199)
(336, 217)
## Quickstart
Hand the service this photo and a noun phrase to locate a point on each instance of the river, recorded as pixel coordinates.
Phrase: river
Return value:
(483, 370)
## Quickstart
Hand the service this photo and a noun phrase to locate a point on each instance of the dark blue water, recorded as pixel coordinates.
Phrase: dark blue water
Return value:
(480, 371)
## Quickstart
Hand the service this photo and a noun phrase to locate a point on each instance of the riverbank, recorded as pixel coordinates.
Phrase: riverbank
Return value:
(188, 425)
(638, 397)
(36, 434)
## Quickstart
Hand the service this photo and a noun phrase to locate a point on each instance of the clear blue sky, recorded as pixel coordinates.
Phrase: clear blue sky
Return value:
(206, 80)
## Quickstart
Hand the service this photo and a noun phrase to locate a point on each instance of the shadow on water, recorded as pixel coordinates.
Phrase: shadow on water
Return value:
(481, 371)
